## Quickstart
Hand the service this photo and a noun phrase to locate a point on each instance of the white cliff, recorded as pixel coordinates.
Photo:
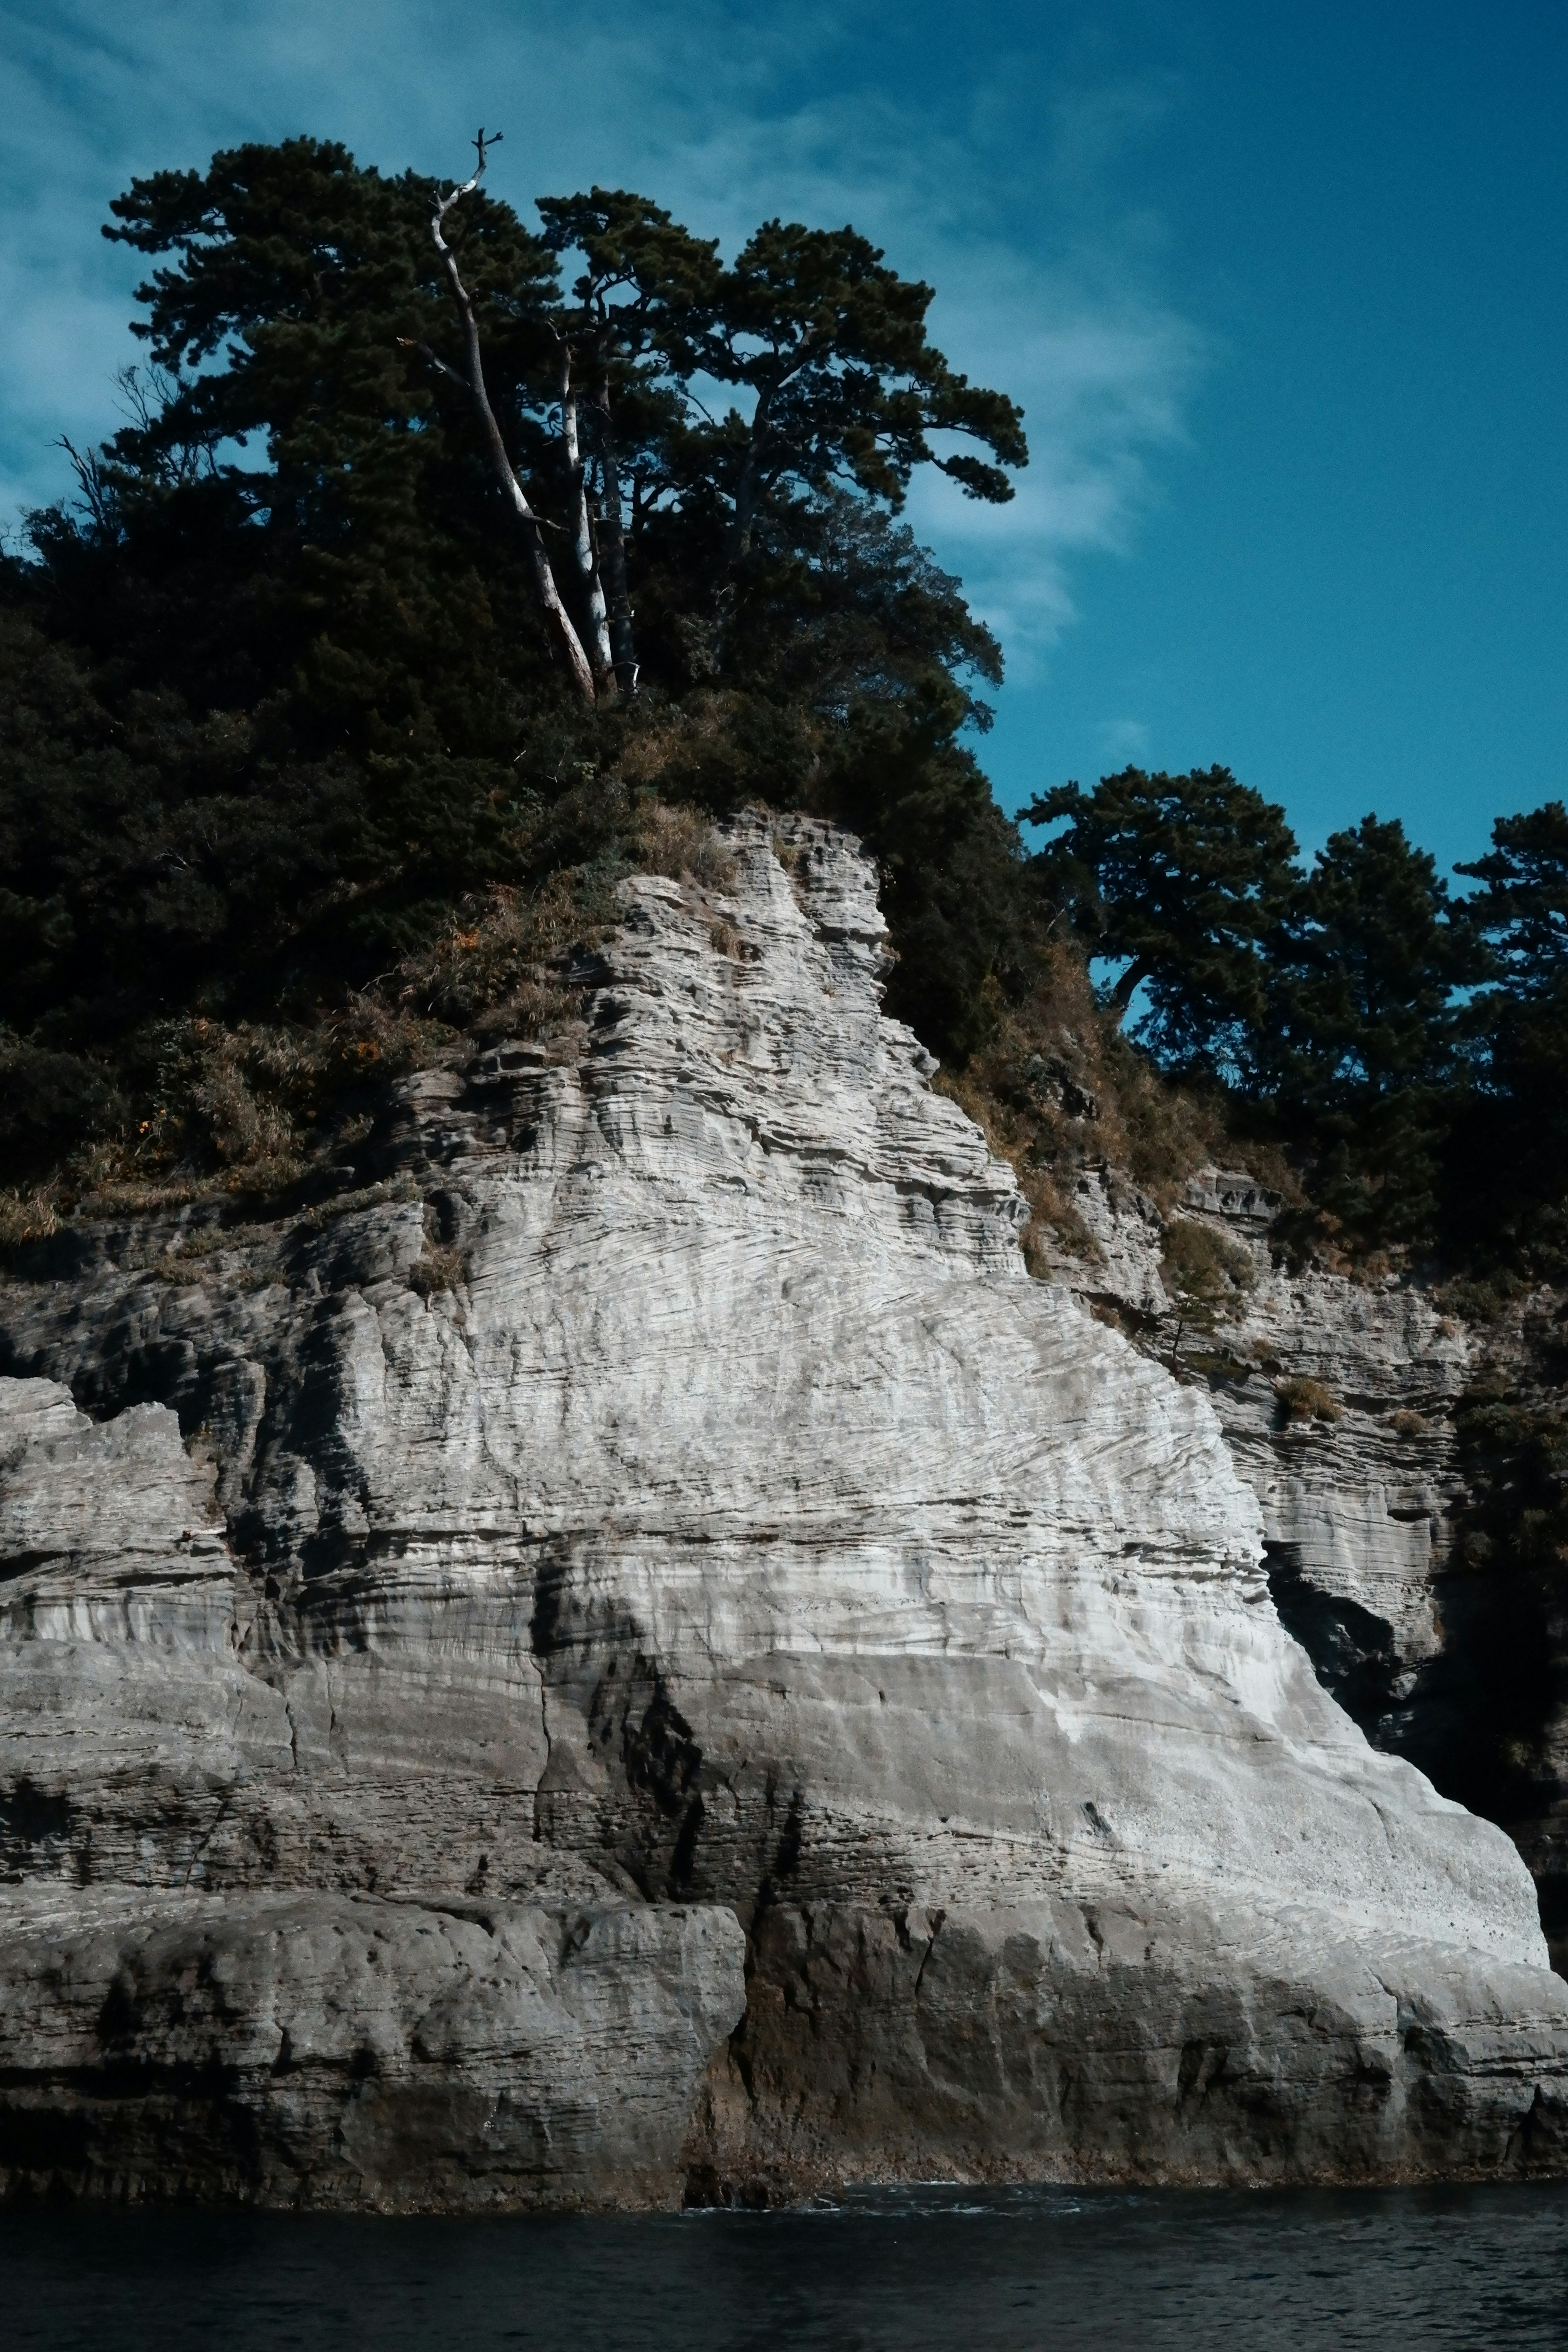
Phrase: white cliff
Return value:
(662, 1507)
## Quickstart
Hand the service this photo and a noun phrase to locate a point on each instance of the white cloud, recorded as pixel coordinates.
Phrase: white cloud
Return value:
(1123, 742)
(996, 183)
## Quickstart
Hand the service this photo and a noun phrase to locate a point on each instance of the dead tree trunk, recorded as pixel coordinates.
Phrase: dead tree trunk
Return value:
(750, 484)
(623, 643)
(587, 560)
(474, 377)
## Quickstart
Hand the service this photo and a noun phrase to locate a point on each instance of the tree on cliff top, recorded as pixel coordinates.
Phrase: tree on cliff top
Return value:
(844, 384)
(827, 346)
(275, 698)
(313, 280)
(1509, 1162)
(1362, 1054)
(1331, 1003)
(1183, 878)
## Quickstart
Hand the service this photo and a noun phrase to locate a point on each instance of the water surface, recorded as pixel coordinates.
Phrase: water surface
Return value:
(924, 2270)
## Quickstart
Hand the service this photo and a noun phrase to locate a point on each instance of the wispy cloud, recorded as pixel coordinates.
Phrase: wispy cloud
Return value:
(1122, 741)
(993, 175)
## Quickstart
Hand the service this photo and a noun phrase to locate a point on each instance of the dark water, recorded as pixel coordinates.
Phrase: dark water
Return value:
(911, 2271)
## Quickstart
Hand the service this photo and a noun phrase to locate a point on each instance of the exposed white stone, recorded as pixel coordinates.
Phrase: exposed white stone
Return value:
(1356, 1506)
(740, 1527)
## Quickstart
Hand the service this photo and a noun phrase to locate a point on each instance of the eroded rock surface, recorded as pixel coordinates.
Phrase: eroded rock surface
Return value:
(1367, 1508)
(658, 1506)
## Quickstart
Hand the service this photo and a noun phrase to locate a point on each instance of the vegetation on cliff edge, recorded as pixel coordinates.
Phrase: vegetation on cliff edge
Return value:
(445, 569)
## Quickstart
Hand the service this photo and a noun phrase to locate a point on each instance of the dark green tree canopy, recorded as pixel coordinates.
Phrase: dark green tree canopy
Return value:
(1183, 878)
(298, 518)
(1522, 906)
(845, 385)
(1365, 974)
(645, 281)
(842, 389)
(1333, 1005)
(1362, 1052)
(277, 696)
(1509, 1162)
(303, 481)
(291, 262)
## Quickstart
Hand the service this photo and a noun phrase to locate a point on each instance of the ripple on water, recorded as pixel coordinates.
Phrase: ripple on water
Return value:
(913, 2268)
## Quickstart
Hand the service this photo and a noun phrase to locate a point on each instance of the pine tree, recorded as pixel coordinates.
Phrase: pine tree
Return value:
(1508, 1169)
(276, 694)
(1364, 1058)
(1183, 880)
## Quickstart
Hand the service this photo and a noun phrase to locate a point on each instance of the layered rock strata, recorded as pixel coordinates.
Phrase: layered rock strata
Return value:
(1364, 1492)
(1358, 1497)
(638, 1649)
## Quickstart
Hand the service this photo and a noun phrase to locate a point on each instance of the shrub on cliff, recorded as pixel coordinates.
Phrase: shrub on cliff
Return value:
(1206, 1272)
(1300, 1399)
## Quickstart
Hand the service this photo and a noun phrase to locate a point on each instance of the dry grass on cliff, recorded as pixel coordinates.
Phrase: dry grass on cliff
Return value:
(256, 1110)
(1058, 1088)
(245, 1108)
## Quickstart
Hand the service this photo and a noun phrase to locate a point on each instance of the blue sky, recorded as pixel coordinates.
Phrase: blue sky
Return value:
(1282, 291)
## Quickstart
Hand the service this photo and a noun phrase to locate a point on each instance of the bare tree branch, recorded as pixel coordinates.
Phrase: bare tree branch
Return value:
(407, 343)
(90, 481)
(544, 578)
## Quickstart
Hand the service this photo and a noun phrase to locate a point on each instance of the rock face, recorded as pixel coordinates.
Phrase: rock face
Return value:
(1365, 1499)
(348, 2049)
(1357, 1498)
(639, 1649)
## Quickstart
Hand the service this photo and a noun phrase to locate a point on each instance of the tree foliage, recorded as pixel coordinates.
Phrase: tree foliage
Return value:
(1362, 1052)
(276, 692)
(1345, 1007)
(1524, 907)
(281, 707)
(1183, 878)
(845, 386)
(1508, 1164)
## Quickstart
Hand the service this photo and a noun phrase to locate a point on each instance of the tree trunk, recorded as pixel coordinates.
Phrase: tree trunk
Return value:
(587, 561)
(746, 488)
(544, 578)
(623, 644)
